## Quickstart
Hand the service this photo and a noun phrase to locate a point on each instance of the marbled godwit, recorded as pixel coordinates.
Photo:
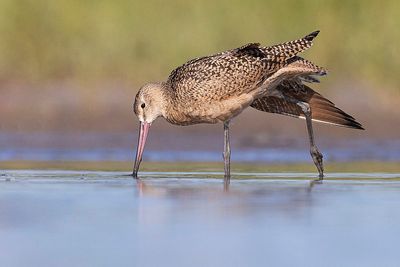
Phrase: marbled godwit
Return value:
(219, 87)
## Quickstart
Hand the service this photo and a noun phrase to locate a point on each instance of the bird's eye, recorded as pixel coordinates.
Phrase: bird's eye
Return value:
(143, 105)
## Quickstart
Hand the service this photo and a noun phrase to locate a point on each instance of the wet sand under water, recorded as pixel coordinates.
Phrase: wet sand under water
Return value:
(80, 218)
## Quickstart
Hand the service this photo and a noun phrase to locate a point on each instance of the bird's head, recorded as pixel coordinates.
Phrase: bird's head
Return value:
(149, 102)
(149, 105)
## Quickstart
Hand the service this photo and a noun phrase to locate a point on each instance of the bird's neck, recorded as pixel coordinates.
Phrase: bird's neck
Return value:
(170, 109)
(164, 98)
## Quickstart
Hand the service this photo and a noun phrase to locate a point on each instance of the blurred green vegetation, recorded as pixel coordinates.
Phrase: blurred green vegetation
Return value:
(44, 40)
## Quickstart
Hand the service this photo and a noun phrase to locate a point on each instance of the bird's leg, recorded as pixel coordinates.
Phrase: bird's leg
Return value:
(315, 154)
(227, 154)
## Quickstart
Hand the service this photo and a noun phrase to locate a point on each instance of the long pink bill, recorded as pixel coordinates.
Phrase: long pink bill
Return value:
(144, 130)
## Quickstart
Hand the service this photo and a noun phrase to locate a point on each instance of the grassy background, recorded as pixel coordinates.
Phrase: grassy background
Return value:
(137, 41)
(75, 66)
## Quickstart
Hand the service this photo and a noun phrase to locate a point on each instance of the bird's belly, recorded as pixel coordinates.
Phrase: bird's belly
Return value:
(210, 112)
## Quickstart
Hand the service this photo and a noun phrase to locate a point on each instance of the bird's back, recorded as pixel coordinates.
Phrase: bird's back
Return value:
(233, 72)
(227, 78)
(217, 77)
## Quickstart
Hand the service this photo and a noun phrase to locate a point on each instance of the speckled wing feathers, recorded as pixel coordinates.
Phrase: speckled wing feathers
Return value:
(234, 71)
(219, 76)
(290, 49)
(204, 83)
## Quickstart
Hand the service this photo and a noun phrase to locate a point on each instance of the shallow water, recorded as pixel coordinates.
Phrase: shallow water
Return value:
(70, 218)
(242, 155)
(120, 147)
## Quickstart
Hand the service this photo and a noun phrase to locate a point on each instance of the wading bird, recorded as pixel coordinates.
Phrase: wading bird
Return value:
(219, 87)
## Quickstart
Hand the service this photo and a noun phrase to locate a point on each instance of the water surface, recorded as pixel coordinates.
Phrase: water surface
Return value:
(194, 148)
(72, 218)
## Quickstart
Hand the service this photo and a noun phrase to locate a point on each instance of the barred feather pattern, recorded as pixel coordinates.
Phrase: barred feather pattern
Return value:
(292, 48)
(235, 71)
(218, 87)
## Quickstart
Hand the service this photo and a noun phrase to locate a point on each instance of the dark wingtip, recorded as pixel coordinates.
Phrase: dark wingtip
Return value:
(311, 36)
(323, 72)
(356, 125)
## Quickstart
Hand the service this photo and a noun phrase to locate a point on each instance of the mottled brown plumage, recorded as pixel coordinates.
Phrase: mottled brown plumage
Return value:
(217, 88)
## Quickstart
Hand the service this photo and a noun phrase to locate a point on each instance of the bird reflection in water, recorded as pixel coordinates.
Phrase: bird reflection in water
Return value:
(163, 198)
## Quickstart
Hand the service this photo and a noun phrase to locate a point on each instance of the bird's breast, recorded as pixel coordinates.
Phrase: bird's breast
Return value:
(195, 112)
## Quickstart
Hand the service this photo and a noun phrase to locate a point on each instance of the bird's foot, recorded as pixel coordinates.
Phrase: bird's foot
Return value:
(134, 175)
(318, 161)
